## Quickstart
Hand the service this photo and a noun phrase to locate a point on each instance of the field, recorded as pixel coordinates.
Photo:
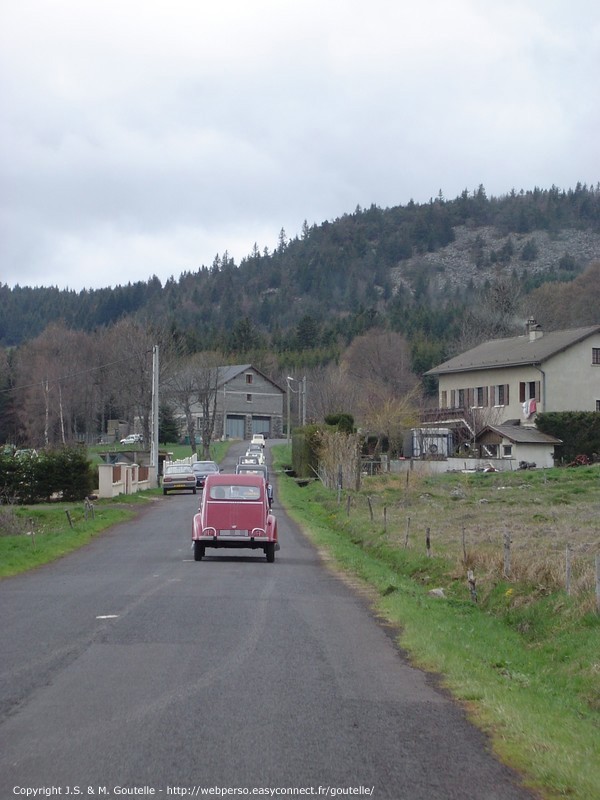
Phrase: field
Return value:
(540, 530)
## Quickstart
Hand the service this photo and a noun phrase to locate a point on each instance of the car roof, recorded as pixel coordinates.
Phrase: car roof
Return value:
(242, 468)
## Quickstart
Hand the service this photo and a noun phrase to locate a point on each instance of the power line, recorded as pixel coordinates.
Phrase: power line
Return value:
(72, 375)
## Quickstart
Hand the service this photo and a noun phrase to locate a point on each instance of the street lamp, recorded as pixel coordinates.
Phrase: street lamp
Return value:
(301, 392)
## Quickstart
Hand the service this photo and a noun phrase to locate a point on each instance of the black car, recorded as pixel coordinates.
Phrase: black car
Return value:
(202, 469)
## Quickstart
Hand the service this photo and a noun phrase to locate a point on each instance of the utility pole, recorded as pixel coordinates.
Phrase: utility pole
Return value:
(155, 415)
(288, 410)
(304, 401)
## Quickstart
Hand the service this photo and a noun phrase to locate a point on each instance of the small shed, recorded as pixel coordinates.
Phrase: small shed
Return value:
(518, 443)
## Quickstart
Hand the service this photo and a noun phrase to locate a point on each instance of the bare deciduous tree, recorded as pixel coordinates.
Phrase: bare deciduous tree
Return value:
(379, 364)
(191, 388)
(391, 417)
(329, 391)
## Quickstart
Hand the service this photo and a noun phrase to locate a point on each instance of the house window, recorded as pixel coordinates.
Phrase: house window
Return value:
(248, 398)
(461, 398)
(595, 355)
(249, 377)
(507, 450)
(597, 405)
(481, 396)
(499, 395)
(529, 390)
(444, 400)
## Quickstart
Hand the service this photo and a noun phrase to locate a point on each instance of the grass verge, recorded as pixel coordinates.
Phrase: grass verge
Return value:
(37, 534)
(528, 674)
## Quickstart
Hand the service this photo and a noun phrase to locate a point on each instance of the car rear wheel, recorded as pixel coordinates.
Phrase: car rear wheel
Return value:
(198, 551)
(164, 491)
(270, 552)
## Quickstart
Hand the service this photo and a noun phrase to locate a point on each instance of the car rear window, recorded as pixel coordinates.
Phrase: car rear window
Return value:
(234, 492)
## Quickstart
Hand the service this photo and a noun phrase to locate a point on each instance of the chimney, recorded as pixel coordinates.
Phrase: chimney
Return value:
(533, 330)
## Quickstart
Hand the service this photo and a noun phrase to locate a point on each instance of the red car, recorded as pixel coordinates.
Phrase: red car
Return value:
(235, 513)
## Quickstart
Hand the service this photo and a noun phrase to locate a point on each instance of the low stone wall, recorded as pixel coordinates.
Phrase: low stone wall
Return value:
(434, 466)
(123, 478)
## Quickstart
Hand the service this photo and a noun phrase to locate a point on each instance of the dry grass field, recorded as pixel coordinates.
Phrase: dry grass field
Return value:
(540, 528)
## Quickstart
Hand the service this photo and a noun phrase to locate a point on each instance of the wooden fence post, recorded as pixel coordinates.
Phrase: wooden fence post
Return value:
(407, 530)
(370, 507)
(464, 547)
(69, 517)
(385, 519)
(471, 582)
(568, 570)
(507, 542)
(428, 542)
(348, 501)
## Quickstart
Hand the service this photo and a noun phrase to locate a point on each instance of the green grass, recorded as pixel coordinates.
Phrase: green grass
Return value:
(525, 660)
(42, 533)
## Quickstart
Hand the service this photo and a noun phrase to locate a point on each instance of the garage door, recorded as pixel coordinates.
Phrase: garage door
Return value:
(261, 425)
(234, 428)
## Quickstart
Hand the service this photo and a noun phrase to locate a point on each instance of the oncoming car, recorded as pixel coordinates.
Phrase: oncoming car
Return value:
(235, 513)
(202, 469)
(178, 477)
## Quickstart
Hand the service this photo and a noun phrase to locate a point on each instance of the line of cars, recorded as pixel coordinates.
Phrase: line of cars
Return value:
(236, 509)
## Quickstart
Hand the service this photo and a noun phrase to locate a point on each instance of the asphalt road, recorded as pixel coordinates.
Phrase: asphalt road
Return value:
(127, 664)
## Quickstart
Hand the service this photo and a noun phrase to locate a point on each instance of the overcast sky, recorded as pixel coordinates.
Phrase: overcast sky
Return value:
(143, 137)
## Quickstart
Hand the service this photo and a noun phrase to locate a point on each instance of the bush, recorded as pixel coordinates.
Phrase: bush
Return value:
(579, 431)
(34, 478)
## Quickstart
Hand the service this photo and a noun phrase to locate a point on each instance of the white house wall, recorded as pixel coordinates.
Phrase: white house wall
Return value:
(568, 381)
(572, 381)
(491, 414)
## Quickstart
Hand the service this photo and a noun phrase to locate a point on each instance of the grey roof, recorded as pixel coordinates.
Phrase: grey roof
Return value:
(525, 434)
(515, 351)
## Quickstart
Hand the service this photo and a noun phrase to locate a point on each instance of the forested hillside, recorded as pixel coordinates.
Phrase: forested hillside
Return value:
(361, 306)
(416, 268)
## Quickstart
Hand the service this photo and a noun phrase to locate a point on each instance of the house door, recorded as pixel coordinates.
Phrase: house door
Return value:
(234, 426)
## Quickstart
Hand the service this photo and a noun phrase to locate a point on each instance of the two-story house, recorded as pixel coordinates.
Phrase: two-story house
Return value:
(508, 381)
(247, 402)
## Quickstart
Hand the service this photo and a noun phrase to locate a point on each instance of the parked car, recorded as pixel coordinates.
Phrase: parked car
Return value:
(178, 477)
(133, 438)
(235, 513)
(202, 469)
